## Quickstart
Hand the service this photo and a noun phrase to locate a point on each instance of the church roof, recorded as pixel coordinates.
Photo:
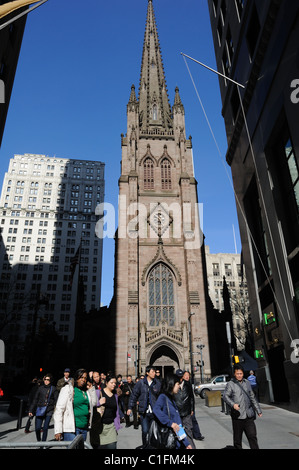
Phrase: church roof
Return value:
(154, 106)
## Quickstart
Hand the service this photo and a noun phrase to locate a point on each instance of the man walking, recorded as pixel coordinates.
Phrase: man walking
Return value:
(196, 431)
(146, 392)
(127, 391)
(239, 396)
(184, 400)
(66, 379)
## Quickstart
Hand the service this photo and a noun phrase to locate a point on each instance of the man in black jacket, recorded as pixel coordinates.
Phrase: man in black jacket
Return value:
(127, 391)
(146, 392)
(184, 400)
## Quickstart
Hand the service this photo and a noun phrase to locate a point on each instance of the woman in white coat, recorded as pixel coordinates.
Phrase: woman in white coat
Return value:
(74, 408)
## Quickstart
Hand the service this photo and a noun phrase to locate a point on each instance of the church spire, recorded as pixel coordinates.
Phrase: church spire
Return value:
(154, 107)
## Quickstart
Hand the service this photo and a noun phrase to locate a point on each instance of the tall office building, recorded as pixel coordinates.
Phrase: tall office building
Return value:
(47, 211)
(160, 296)
(256, 44)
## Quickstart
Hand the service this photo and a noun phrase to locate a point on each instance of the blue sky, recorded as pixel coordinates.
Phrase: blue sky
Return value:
(77, 63)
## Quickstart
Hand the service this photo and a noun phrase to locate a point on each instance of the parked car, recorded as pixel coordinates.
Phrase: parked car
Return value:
(217, 383)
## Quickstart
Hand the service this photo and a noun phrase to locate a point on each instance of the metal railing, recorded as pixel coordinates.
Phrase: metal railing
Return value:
(76, 443)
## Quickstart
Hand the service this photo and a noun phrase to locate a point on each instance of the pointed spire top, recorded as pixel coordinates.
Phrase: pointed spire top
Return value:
(133, 103)
(133, 98)
(154, 107)
(177, 98)
(178, 105)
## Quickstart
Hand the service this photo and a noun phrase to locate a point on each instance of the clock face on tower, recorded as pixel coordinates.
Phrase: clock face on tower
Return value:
(159, 220)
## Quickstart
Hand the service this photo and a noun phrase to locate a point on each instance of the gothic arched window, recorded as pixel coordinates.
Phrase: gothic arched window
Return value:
(148, 174)
(161, 295)
(155, 112)
(166, 174)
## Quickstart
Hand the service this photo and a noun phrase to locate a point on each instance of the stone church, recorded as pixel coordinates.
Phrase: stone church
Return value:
(159, 291)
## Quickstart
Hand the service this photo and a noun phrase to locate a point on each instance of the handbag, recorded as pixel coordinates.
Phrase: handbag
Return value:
(41, 410)
(252, 406)
(234, 413)
(159, 436)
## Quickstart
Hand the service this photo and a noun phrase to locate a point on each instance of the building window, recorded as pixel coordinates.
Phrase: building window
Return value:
(228, 270)
(255, 222)
(225, 63)
(148, 174)
(161, 296)
(166, 174)
(229, 46)
(223, 12)
(284, 170)
(216, 271)
(235, 103)
(253, 31)
(292, 167)
(215, 6)
(240, 7)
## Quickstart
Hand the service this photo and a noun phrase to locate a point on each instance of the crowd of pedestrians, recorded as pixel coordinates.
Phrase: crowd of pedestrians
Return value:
(97, 403)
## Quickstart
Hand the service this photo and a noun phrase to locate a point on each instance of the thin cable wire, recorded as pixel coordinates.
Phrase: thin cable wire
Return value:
(237, 199)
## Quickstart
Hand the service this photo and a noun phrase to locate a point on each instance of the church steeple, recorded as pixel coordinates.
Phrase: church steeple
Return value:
(154, 107)
(158, 256)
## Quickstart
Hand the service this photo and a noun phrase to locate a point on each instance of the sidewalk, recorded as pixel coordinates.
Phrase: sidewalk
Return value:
(276, 429)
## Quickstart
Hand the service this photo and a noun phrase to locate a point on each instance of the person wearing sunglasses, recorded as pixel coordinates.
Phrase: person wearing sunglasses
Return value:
(42, 406)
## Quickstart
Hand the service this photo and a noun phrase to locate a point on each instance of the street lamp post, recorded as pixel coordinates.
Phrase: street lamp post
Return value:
(228, 334)
(135, 347)
(201, 346)
(190, 347)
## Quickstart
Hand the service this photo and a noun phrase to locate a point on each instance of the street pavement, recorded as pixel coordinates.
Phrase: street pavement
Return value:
(276, 429)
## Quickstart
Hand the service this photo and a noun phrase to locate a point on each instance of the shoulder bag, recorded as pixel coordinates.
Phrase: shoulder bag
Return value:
(159, 436)
(41, 410)
(235, 413)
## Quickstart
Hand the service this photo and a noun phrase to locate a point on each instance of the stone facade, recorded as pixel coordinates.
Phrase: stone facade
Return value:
(159, 297)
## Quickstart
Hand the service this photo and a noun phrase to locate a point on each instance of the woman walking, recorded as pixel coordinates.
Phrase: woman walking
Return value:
(42, 406)
(166, 411)
(74, 408)
(111, 417)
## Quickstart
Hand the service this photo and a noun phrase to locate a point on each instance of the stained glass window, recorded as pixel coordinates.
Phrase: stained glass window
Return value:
(166, 174)
(148, 175)
(161, 295)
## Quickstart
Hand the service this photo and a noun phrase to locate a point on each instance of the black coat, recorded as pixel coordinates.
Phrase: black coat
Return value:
(184, 399)
(42, 396)
(127, 388)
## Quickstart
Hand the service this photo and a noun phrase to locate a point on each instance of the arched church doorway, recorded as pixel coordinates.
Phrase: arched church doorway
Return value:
(165, 359)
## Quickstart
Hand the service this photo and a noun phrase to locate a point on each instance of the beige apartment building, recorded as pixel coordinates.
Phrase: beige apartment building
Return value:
(228, 266)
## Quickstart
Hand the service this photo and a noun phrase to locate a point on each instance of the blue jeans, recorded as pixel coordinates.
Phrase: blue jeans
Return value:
(69, 436)
(38, 425)
(145, 421)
